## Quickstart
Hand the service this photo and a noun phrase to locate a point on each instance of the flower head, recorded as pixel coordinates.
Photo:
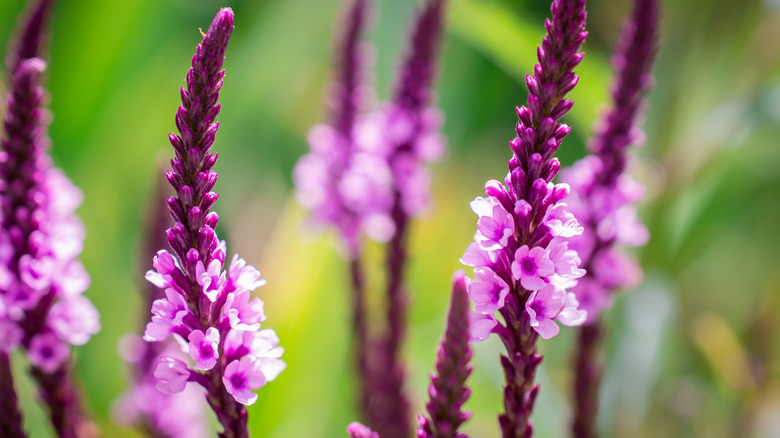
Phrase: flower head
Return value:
(242, 377)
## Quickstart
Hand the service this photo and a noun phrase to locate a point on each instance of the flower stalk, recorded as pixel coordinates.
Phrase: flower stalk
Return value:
(42, 307)
(522, 263)
(206, 305)
(604, 200)
(448, 391)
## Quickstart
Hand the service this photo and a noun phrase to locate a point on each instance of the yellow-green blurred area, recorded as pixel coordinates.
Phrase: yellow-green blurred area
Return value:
(694, 351)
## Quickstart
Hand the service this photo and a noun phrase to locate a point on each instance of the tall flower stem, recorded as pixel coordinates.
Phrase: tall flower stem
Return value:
(62, 396)
(41, 238)
(531, 169)
(413, 95)
(10, 416)
(587, 379)
(192, 237)
(360, 332)
(605, 200)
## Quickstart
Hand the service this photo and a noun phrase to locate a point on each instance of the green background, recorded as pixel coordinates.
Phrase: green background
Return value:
(692, 352)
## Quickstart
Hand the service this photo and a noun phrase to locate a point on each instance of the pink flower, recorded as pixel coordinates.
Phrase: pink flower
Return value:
(242, 313)
(357, 430)
(543, 306)
(495, 226)
(243, 376)
(47, 352)
(488, 291)
(10, 334)
(531, 266)
(565, 260)
(204, 348)
(212, 280)
(36, 273)
(571, 315)
(549, 303)
(475, 256)
(243, 276)
(72, 280)
(481, 326)
(167, 315)
(74, 320)
(561, 222)
(171, 374)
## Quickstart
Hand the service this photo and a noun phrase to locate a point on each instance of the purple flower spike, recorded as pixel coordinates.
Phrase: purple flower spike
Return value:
(604, 200)
(337, 194)
(325, 181)
(524, 226)
(42, 309)
(204, 303)
(410, 138)
(448, 391)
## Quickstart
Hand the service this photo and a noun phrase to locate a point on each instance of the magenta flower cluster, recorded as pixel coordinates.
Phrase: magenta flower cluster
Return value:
(42, 282)
(546, 267)
(611, 214)
(354, 175)
(208, 309)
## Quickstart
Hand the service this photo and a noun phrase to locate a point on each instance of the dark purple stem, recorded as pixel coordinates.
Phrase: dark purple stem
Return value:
(389, 409)
(10, 416)
(345, 99)
(448, 391)
(633, 60)
(61, 394)
(587, 379)
(360, 333)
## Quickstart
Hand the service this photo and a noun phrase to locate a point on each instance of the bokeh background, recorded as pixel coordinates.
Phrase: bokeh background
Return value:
(694, 351)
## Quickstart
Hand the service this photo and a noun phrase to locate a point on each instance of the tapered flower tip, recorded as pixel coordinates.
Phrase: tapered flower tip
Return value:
(460, 295)
(222, 26)
(31, 34)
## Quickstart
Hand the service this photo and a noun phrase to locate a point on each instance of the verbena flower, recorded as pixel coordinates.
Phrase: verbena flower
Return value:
(327, 182)
(42, 309)
(604, 198)
(206, 304)
(524, 224)
(448, 391)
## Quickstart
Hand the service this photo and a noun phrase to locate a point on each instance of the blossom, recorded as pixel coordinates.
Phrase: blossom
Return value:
(549, 303)
(204, 348)
(481, 326)
(74, 320)
(241, 377)
(488, 291)
(494, 226)
(47, 352)
(531, 266)
(520, 219)
(172, 375)
(243, 313)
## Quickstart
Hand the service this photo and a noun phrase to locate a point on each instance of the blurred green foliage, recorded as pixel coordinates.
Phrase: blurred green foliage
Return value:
(692, 352)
